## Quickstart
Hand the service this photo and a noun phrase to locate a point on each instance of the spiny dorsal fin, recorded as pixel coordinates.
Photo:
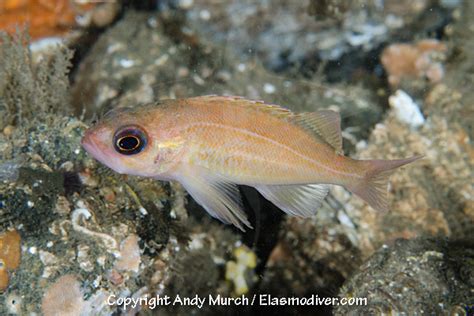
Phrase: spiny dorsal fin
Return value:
(325, 125)
(272, 109)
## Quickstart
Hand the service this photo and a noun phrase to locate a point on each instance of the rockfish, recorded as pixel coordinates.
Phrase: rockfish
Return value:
(210, 144)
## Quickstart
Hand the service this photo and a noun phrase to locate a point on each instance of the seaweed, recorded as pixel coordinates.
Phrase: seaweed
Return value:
(28, 88)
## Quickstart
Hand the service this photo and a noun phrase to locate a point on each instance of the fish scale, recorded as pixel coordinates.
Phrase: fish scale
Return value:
(211, 143)
(265, 157)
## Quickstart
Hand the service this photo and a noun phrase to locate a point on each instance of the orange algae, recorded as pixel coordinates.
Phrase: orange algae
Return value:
(414, 60)
(44, 17)
(10, 255)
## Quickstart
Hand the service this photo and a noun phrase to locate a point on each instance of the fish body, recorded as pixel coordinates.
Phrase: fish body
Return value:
(211, 143)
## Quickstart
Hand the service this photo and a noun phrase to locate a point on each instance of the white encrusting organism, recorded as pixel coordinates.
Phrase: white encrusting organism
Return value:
(406, 110)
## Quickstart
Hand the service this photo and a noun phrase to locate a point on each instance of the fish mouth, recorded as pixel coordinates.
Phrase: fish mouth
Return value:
(88, 144)
(100, 152)
(92, 147)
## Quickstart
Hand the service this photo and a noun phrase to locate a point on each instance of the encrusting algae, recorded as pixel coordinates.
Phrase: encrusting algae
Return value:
(211, 143)
(10, 255)
(422, 59)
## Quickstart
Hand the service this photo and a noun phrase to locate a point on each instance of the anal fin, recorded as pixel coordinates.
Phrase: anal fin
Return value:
(220, 198)
(296, 200)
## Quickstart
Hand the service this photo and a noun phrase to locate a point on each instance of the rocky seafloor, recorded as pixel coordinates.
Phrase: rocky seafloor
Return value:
(74, 234)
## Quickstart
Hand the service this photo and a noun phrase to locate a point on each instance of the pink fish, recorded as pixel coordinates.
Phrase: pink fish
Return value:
(212, 143)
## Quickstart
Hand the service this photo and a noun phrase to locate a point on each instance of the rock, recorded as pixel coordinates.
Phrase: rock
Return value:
(339, 38)
(129, 255)
(305, 30)
(311, 257)
(432, 276)
(63, 297)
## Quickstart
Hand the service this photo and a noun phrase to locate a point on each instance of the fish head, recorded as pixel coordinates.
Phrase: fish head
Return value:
(124, 141)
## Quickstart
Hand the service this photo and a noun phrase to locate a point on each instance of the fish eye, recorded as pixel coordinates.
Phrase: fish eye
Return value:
(130, 140)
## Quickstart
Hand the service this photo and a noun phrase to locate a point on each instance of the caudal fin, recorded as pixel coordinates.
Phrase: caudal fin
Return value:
(374, 187)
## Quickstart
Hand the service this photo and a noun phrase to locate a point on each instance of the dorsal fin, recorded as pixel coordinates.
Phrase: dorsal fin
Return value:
(272, 109)
(325, 125)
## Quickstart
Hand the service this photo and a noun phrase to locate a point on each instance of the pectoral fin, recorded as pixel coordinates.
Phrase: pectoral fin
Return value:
(220, 198)
(296, 200)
